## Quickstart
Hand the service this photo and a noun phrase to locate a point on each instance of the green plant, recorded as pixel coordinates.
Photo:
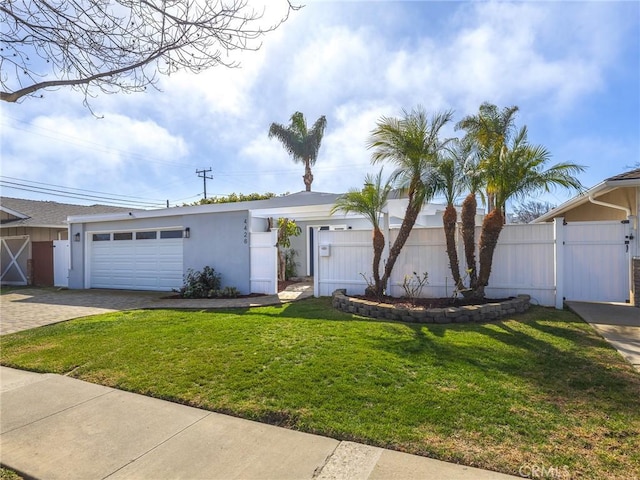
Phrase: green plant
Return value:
(413, 285)
(369, 202)
(290, 264)
(286, 229)
(226, 292)
(199, 284)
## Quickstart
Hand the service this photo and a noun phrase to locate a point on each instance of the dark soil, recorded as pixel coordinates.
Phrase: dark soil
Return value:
(403, 302)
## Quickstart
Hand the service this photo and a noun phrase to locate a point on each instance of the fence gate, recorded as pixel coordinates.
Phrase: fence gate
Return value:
(15, 253)
(61, 263)
(264, 262)
(596, 262)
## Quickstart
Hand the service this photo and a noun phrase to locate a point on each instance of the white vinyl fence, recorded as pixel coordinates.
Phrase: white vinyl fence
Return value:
(61, 263)
(264, 262)
(524, 262)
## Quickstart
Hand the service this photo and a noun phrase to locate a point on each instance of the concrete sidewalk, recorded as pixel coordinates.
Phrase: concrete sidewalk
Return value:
(56, 427)
(618, 323)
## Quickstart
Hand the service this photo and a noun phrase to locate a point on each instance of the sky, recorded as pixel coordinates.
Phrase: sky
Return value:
(572, 68)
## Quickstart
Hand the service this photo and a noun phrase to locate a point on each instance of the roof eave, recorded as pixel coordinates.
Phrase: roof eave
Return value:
(599, 189)
(630, 182)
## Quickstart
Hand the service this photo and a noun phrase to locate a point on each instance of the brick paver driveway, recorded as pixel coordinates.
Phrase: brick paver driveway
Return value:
(35, 307)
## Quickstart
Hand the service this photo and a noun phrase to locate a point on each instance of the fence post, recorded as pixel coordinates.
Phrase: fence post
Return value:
(316, 262)
(558, 260)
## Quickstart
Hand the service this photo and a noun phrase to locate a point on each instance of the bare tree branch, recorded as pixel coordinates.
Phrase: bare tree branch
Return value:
(112, 46)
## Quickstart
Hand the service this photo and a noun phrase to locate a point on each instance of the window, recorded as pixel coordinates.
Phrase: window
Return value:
(171, 234)
(146, 235)
(123, 236)
(101, 237)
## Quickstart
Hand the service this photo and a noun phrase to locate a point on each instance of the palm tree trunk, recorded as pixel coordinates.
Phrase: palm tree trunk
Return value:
(468, 215)
(378, 247)
(491, 228)
(449, 219)
(308, 176)
(403, 234)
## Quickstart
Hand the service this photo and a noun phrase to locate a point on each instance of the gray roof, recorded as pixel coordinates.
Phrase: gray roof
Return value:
(39, 213)
(631, 175)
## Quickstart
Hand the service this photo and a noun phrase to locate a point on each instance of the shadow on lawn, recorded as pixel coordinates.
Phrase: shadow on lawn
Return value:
(552, 355)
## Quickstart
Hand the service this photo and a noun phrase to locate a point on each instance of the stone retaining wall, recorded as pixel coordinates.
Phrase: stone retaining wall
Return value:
(464, 314)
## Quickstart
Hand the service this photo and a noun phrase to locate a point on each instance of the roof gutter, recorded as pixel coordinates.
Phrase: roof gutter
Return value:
(610, 205)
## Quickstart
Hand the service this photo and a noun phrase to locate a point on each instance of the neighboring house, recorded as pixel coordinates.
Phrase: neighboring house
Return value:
(605, 217)
(28, 230)
(153, 249)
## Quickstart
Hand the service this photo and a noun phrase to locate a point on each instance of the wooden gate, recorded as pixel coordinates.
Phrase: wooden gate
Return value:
(42, 256)
(15, 253)
(596, 261)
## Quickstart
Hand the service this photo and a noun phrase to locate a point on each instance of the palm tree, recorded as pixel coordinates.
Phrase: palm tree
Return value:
(301, 143)
(451, 179)
(511, 168)
(490, 130)
(413, 146)
(369, 202)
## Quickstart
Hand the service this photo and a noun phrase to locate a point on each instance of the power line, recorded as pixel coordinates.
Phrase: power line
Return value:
(79, 196)
(150, 200)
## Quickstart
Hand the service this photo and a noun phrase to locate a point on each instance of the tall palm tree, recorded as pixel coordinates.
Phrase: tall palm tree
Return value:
(491, 130)
(413, 146)
(369, 202)
(452, 182)
(511, 168)
(300, 142)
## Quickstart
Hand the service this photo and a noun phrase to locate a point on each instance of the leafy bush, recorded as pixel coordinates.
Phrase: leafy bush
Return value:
(290, 264)
(198, 284)
(226, 292)
(205, 284)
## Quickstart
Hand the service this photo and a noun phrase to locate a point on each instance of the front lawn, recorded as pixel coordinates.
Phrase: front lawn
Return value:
(541, 389)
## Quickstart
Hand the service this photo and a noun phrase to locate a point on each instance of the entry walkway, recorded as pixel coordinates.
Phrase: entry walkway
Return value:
(36, 307)
(57, 427)
(618, 323)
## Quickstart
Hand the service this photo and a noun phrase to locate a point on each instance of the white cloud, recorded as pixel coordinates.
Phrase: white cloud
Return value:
(82, 151)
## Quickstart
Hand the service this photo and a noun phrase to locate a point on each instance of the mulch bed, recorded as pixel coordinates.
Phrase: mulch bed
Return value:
(403, 302)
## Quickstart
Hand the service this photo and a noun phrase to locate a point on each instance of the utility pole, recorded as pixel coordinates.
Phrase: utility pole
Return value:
(204, 177)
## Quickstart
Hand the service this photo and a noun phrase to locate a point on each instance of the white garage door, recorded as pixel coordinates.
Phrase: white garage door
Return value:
(142, 260)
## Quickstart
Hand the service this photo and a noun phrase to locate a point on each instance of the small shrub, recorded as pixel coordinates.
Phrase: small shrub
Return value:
(198, 284)
(413, 285)
(290, 264)
(226, 292)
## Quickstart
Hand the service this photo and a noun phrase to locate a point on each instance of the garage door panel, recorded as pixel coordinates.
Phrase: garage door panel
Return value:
(145, 264)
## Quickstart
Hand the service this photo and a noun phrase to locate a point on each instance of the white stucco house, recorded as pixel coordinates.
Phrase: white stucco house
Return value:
(153, 249)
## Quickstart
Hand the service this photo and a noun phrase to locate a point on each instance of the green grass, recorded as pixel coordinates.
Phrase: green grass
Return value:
(538, 389)
(6, 474)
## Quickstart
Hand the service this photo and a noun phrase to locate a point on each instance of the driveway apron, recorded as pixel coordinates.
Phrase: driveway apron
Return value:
(617, 323)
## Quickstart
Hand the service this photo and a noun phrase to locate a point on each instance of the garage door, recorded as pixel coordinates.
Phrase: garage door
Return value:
(141, 260)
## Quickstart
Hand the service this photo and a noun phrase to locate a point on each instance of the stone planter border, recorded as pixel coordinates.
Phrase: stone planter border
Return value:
(464, 314)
